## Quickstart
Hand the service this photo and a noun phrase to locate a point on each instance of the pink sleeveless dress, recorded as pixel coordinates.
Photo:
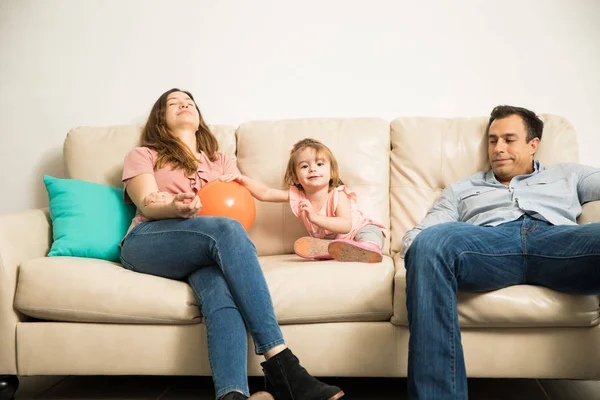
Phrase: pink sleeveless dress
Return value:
(358, 218)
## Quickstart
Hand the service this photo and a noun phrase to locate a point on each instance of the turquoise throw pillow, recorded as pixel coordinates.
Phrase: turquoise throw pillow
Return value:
(88, 219)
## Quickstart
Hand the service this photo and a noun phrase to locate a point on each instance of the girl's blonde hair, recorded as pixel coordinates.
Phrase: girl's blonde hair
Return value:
(170, 149)
(291, 179)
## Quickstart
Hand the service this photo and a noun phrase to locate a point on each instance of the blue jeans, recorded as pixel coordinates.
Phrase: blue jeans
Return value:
(218, 260)
(459, 256)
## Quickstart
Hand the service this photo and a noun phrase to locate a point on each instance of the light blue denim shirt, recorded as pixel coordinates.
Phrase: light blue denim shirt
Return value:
(554, 194)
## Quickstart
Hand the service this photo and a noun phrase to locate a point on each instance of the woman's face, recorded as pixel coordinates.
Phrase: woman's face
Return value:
(181, 112)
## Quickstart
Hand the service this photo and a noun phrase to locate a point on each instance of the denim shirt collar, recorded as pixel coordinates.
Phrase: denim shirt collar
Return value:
(491, 178)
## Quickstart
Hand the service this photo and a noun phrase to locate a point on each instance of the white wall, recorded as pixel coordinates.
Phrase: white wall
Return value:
(65, 63)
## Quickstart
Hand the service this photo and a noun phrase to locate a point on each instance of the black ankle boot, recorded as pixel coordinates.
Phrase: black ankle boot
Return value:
(239, 396)
(234, 396)
(286, 379)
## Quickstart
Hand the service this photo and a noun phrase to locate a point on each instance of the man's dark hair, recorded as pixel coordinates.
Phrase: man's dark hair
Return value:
(533, 123)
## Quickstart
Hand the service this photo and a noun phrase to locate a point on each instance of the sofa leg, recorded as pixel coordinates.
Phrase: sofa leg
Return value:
(8, 386)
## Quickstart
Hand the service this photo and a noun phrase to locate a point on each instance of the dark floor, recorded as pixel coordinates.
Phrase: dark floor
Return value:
(200, 388)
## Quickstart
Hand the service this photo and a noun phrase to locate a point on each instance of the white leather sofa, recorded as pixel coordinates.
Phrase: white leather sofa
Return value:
(78, 316)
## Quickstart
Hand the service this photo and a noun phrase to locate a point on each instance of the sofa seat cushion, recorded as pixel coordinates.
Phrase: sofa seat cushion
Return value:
(328, 291)
(92, 290)
(520, 306)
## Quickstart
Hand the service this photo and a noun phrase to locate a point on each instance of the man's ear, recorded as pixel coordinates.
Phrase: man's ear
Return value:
(533, 145)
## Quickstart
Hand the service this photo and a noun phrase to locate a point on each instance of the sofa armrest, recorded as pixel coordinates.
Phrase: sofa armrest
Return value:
(590, 212)
(23, 235)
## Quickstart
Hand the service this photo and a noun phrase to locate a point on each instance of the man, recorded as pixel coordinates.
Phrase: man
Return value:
(515, 224)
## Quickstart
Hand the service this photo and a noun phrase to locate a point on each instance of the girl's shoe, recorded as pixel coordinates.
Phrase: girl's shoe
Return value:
(255, 396)
(350, 250)
(288, 380)
(312, 248)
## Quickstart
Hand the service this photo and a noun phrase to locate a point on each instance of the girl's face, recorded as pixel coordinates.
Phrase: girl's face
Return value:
(313, 170)
(181, 112)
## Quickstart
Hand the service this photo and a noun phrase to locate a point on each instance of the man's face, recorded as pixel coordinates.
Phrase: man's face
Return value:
(510, 155)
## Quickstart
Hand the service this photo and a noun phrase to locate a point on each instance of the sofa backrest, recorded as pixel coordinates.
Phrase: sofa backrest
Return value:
(361, 147)
(398, 170)
(430, 153)
(96, 154)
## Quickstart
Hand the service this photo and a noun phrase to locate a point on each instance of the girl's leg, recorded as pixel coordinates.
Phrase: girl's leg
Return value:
(312, 248)
(366, 246)
(370, 233)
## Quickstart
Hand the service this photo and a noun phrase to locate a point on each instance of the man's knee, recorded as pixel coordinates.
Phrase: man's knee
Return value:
(437, 238)
(434, 250)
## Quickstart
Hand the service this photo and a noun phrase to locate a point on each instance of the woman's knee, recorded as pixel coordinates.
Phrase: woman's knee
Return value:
(228, 233)
(217, 226)
(230, 225)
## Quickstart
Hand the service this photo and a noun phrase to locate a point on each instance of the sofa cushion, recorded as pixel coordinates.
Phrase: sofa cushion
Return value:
(520, 306)
(90, 290)
(430, 153)
(329, 291)
(96, 154)
(88, 219)
(361, 147)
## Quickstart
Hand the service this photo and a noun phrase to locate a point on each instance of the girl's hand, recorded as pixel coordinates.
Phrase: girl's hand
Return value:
(233, 178)
(306, 208)
(186, 205)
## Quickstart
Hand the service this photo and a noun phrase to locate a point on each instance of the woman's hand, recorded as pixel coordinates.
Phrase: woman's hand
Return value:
(241, 179)
(186, 205)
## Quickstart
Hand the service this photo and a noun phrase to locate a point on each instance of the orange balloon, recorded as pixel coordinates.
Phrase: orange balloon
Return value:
(228, 199)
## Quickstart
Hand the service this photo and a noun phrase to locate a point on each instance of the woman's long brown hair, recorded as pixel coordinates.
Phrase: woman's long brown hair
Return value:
(170, 149)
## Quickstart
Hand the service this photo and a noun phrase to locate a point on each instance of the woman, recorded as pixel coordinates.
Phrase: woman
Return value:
(214, 255)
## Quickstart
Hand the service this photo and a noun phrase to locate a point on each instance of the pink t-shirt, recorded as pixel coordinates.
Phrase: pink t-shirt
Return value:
(142, 160)
(328, 210)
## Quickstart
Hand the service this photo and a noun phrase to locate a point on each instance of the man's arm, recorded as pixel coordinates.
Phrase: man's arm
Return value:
(445, 209)
(588, 184)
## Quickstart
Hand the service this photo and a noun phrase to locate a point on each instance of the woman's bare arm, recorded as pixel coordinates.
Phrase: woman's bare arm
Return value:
(143, 191)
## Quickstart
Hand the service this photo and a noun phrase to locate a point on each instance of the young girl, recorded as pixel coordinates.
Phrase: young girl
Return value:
(317, 195)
